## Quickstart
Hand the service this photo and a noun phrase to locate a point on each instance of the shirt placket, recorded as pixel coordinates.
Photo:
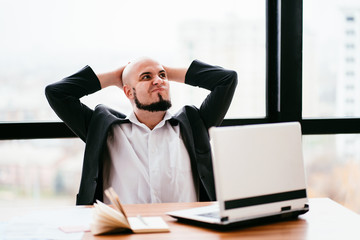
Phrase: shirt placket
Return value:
(153, 167)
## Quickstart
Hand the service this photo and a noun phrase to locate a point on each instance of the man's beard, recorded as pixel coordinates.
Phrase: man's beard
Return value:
(161, 105)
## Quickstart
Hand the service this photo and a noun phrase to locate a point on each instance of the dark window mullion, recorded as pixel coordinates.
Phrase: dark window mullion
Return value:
(34, 130)
(272, 59)
(331, 126)
(291, 61)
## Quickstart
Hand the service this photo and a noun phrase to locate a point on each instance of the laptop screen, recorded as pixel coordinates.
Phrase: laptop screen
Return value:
(257, 164)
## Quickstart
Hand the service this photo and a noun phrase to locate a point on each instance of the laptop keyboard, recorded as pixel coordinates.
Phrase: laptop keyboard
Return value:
(210, 214)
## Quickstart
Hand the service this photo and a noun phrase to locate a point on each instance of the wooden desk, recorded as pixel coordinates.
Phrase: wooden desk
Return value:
(325, 220)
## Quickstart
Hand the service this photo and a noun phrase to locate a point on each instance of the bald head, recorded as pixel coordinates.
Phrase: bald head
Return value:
(135, 68)
(146, 85)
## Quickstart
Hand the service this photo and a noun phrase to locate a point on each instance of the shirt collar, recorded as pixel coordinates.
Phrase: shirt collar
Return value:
(133, 119)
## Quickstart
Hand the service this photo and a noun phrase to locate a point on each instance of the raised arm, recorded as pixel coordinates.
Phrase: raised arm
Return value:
(176, 74)
(113, 78)
(64, 96)
(222, 84)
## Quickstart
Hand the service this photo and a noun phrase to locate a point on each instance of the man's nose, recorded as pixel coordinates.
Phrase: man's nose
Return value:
(158, 80)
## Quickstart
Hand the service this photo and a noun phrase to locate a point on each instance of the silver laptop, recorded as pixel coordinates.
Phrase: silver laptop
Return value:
(259, 176)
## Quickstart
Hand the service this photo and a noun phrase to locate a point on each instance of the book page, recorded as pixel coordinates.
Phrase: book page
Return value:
(107, 220)
(107, 214)
(148, 224)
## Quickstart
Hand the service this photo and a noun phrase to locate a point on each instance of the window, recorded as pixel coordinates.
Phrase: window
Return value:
(40, 171)
(43, 41)
(350, 73)
(350, 32)
(350, 46)
(350, 19)
(330, 100)
(333, 167)
(329, 56)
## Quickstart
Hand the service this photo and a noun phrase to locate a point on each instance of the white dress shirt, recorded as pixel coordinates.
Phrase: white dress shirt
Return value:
(148, 166)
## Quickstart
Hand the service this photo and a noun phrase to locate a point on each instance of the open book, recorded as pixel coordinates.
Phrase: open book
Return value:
(109, 220)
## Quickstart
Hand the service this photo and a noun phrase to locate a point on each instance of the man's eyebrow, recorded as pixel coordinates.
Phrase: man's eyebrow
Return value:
(145, 73)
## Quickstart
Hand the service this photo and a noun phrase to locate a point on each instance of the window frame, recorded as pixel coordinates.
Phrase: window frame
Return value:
(284, 27)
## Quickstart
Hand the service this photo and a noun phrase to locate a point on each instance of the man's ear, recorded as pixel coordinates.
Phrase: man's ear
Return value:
(128, 91)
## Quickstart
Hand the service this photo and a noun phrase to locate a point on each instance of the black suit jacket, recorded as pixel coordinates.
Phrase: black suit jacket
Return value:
(92, 126)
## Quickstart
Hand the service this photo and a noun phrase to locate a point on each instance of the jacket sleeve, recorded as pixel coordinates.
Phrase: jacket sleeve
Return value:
(222, 84)
(64, 98)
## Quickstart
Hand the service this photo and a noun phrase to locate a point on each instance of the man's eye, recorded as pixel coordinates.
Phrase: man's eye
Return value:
(162, 75)
(145, 77)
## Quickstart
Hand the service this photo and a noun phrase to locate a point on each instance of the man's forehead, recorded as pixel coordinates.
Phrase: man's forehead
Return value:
(148, 66)
(136, 68)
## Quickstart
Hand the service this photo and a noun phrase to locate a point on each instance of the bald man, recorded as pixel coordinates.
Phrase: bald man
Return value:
(150, 156)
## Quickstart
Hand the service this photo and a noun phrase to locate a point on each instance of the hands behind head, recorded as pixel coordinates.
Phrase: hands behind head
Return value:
(119, 76)
(113, 78)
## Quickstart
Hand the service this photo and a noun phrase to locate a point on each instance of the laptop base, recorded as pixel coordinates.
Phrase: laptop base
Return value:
(245, 223)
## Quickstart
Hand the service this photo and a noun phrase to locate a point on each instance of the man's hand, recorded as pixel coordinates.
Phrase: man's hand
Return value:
(175, 74)
(112, 78)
